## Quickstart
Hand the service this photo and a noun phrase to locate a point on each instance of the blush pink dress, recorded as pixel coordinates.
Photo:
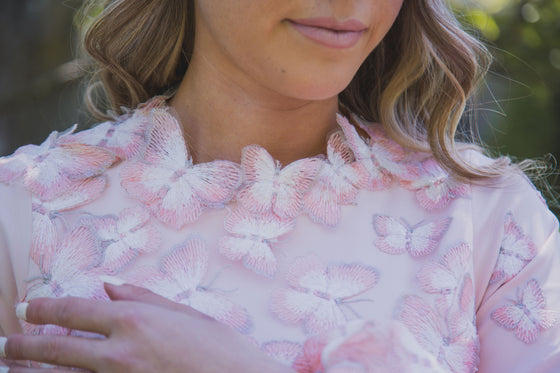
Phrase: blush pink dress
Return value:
(370, 258)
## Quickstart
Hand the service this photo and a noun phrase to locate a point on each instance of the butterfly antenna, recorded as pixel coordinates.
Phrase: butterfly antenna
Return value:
(352, 311)
(365, 300)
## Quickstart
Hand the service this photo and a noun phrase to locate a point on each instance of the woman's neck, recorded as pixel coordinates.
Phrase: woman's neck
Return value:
(220, 117)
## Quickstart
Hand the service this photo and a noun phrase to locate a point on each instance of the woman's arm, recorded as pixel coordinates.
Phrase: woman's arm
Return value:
(517, 264)
(15, 232)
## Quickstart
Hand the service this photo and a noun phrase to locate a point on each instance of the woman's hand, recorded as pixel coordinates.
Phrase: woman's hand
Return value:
(144, 333)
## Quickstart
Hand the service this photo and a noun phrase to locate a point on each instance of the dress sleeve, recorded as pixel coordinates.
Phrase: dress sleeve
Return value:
(517, 276)
(15, 242)
(516, 264)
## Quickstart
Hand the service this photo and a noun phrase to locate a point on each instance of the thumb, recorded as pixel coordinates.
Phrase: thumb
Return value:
(133, 293)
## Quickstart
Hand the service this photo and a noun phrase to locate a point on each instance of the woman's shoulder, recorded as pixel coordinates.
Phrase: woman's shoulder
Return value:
(67, 159)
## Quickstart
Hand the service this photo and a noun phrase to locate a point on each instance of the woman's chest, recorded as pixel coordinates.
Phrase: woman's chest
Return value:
(278, 280)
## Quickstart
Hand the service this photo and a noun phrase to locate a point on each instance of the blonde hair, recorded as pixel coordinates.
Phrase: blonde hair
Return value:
(416, 83)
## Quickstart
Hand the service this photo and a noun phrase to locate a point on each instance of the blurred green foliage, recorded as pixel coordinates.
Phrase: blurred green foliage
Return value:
(521, 107)
(524, 37)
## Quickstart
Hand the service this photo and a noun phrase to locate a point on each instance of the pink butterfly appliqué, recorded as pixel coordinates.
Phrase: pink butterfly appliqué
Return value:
(252, 237)
(123, 137)
(285, 352)
(271, 188)
(382, 157)
(45, 213)
(318, 293)
(174, 189)
(338, 183)
(71, 270)
(450, 339)
(434, 187)
(53, 167)
(366, 348)
(527, 316)
(516, 251)
(124, 237)
(396, 236)
(180, 278)
(449, 279)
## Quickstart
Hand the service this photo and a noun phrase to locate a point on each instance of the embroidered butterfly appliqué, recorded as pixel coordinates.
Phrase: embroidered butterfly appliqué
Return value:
(527, 316)
(180, 278)
(285, 352)
(449, 279)
(450, 339)
(165, 179)
(338, 183)
(396, 236)
(383, 158)
(124, 237)
(252, 237)
(368, 347)
(309, 359)
(71, 270)
(53, 167)
(434, 188)
(516, 251)
(271, 188)
(45, 213)
(124, 137)
(318, 293)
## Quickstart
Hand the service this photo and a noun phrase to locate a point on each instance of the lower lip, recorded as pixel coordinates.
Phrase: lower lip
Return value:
(329, 38)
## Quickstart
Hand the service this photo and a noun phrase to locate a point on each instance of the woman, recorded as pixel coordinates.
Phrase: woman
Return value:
(382, 245)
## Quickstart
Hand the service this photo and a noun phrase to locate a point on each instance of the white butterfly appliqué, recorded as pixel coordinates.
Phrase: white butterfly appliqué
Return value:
(180, 278)
(396, 236)
(318, 293)
(338, 183)
(516, 251)
(271, 188)
(527, 316)
(165, 179)
(252, 238)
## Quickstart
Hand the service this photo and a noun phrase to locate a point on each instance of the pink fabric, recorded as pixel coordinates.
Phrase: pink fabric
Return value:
(369, 259)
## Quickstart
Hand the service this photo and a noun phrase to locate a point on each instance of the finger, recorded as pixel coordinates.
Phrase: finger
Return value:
(43, 370)
(143, 295)
(73, 313)
(66, 351)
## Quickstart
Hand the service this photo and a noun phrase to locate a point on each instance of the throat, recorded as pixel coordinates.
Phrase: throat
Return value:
(287, 136)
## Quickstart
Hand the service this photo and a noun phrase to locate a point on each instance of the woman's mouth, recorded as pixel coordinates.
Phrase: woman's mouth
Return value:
(330, 32)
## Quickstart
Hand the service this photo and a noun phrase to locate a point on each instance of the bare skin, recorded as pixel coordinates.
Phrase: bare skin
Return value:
(135, 314)
(253, 79)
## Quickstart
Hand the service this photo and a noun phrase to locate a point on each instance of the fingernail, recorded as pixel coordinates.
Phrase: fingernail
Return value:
(112, 280)
(21, 311)
(3, 341)
(4, 369)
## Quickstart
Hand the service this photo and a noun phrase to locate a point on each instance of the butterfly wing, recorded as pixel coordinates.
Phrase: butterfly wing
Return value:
(392, 234)
(321, 204)
(292, 182)
(426, 236)
(517, 243)
(221, 309)
(260, 172)
(350, 280)
(215, 182)
(187, 264)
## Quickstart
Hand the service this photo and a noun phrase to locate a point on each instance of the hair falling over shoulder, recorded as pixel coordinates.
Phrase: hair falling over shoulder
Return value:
(416, 83)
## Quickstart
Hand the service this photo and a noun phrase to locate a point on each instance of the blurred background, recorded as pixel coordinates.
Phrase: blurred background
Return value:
(518, 114)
